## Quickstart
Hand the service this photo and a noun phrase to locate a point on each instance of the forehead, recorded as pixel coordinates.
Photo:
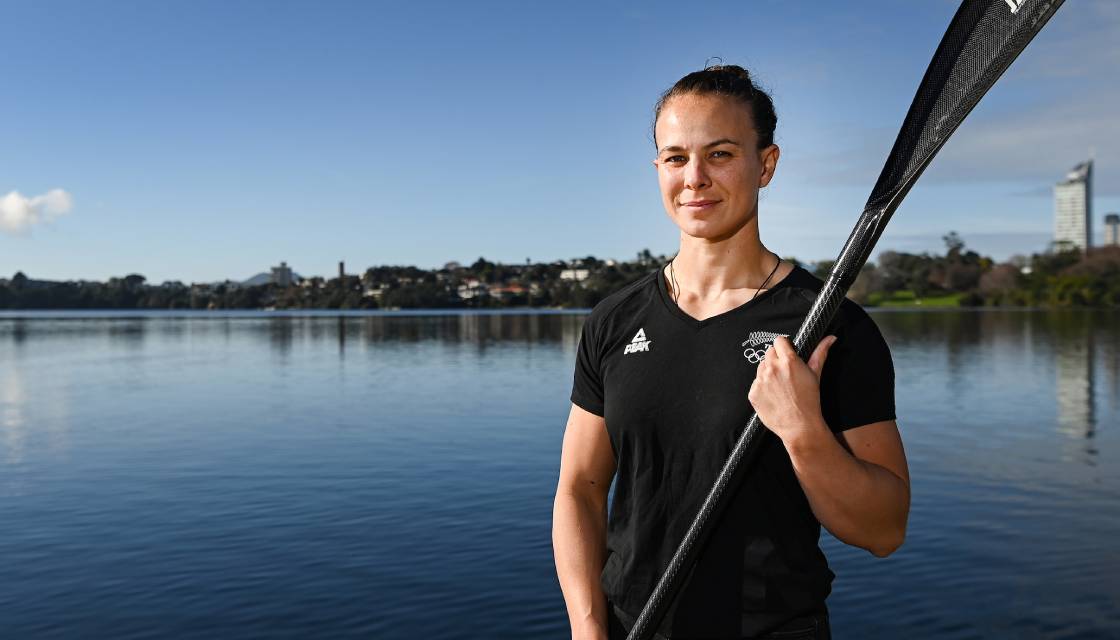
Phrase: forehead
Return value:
(692, 119)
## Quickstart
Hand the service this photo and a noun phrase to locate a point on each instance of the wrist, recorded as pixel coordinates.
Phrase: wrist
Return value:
(809, 440)
(589, 630)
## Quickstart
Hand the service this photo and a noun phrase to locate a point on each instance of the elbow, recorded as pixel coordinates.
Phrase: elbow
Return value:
(882, 552)
(894, 534)
(889, 545)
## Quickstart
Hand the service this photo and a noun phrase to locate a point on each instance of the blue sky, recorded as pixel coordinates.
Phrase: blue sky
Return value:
(209, 140)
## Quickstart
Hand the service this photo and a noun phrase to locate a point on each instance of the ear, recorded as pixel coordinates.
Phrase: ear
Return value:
(769, 157)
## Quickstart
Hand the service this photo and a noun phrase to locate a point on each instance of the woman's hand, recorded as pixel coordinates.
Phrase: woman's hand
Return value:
(786, 390)
(858, 490)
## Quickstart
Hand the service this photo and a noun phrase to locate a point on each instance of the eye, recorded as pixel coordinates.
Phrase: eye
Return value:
(717, 154)
(673, 159)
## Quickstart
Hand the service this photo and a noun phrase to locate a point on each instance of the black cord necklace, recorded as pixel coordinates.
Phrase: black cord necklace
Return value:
(677, 291)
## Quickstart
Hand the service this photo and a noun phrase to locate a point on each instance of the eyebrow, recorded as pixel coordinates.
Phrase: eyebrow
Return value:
(707, 146)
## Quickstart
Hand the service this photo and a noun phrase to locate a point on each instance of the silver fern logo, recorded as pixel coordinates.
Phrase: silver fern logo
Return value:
(758, 343)
(1015, 5)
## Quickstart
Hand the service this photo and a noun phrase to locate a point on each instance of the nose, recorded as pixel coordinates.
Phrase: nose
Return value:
(696, 175)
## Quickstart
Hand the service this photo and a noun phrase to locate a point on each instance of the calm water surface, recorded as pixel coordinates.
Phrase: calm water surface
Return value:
(250, 475)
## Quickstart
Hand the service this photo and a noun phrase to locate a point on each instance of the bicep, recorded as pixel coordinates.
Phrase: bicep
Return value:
(878, 443)
(587, 462)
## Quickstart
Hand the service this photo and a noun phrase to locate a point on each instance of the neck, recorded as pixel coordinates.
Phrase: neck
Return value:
(711, 267)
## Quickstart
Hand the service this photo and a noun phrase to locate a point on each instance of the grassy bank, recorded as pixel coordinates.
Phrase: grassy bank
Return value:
(906, 298)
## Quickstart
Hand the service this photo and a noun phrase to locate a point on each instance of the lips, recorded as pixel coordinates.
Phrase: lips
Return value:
(700, 204)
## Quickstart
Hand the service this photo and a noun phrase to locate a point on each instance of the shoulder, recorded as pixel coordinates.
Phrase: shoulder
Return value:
(857, 383)
(624, 303)
(851, 319)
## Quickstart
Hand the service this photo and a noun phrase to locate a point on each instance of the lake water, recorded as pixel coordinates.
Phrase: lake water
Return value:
(290, 475)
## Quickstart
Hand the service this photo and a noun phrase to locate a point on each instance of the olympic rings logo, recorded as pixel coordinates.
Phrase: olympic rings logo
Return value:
(755, 356)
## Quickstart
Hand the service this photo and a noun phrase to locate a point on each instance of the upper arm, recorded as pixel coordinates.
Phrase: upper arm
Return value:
(878, 443)
(587, 462)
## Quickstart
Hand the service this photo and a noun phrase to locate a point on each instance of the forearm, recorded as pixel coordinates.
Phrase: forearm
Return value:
(579, 530)
(861, 503)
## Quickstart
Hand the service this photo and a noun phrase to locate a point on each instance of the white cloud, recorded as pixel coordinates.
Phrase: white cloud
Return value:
(18, 213)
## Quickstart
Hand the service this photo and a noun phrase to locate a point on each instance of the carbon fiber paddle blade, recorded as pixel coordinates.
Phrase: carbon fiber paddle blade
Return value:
(983, 39)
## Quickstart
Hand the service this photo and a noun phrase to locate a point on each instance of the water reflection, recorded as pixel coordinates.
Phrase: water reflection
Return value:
(17, 329)
(483, 330)
(410, 461)
(280, 336)
(34, 418)
(13, 405)
(964, 362)
(1109, 350)
(1074, 371)
(1006, 349)
(283, 331)
(340, 327)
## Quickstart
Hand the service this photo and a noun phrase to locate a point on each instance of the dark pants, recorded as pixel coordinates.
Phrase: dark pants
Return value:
(809, 627)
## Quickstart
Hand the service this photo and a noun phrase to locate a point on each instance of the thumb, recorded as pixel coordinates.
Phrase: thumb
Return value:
(816, 361)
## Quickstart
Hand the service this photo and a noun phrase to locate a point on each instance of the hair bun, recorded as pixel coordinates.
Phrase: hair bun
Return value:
(719, 67)
(736, 70)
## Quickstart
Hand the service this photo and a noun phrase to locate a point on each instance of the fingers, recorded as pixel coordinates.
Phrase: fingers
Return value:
(816, 361)
(782, 348)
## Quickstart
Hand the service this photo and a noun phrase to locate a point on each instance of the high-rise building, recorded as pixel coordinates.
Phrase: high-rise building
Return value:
(282, 275)
(1112, 229)
(1073, 208)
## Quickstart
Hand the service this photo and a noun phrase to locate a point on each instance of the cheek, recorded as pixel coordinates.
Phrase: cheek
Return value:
(739, 178)
(669, 183)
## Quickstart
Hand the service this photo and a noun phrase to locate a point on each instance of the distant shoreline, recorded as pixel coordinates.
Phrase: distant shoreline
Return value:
(34, 314)
(280, 313)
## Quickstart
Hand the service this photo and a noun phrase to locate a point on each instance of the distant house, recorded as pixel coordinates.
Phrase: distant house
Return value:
(578, 275)
(508, 291)
(472, 288)
(374, 291)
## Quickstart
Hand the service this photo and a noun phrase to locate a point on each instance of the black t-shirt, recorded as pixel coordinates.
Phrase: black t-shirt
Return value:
(673, 390)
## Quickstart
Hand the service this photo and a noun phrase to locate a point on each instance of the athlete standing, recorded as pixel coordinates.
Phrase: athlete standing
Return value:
(668, 371)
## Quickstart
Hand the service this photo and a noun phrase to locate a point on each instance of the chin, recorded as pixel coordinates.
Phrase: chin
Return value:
(709, 229)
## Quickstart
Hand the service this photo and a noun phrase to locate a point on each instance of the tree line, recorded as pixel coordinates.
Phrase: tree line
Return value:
(1063, 277)
(959, 276)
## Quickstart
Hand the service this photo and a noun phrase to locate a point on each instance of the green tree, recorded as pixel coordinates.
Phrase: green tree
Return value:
(823, 268)
(954, 244)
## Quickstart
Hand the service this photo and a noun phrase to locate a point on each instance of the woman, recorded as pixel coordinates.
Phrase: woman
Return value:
(668, 371)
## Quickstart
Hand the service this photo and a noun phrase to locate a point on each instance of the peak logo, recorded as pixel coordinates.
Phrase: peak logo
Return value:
(1015, 5)
(638, 343)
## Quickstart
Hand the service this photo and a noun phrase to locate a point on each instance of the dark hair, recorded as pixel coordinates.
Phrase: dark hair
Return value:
(728, 80)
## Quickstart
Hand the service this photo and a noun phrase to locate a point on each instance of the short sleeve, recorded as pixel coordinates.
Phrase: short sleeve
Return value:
(587, 387)
(857, 384)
